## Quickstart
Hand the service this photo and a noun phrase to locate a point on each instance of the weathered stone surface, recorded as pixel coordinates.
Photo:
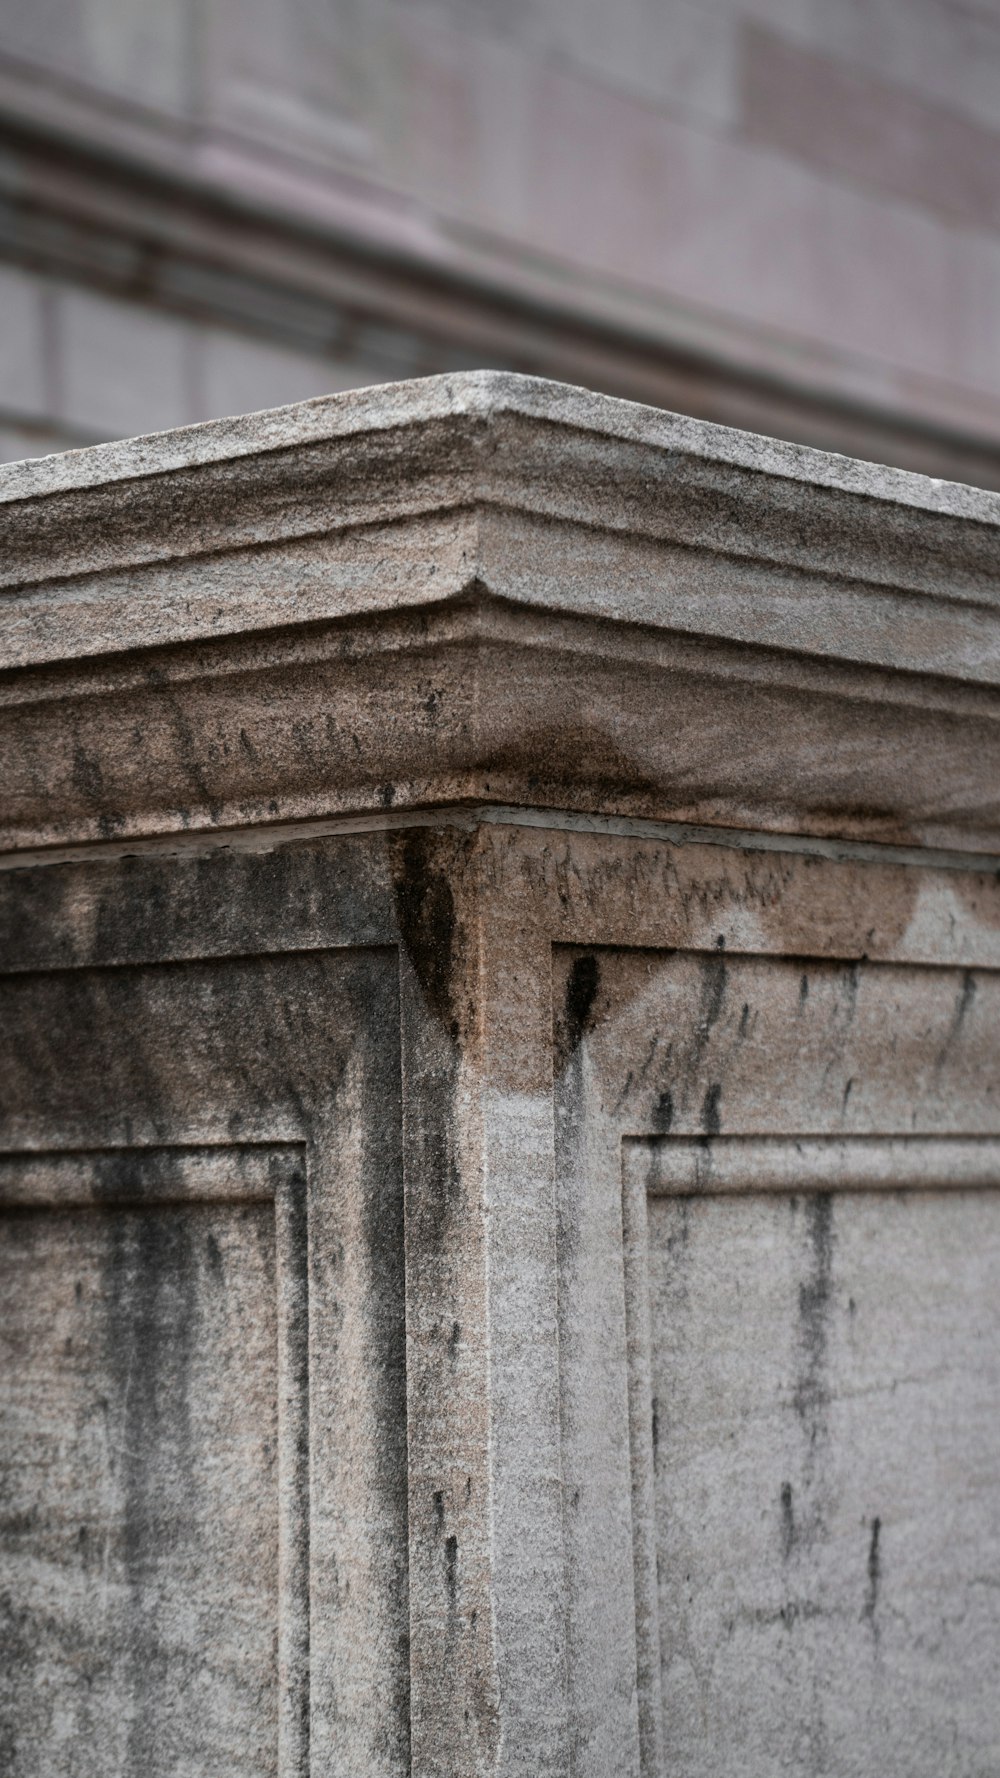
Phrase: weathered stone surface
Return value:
(499, 1281)
(412, 595)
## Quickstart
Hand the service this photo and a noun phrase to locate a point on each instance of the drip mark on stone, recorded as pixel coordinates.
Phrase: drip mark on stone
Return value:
(451, 1570)
(874, 1577)
(711, 1122)
(581, 992)
(787, 1521)
(663, 1114)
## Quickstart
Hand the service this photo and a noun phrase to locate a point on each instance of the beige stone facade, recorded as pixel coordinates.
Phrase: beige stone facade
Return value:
(501, 1144)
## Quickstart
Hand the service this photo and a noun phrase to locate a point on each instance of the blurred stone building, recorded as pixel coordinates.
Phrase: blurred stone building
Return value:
(781, 214)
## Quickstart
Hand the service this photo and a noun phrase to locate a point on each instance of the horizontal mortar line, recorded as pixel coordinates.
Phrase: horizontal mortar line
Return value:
(677, 1166)
(265, 836)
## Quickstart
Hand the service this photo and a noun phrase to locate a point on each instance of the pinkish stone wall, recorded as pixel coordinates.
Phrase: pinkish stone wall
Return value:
(778, 214)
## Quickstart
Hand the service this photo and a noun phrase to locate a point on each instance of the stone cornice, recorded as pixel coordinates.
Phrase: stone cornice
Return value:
(432, 574)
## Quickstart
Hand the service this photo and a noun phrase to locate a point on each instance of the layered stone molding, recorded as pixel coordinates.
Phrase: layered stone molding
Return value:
(501, 1141)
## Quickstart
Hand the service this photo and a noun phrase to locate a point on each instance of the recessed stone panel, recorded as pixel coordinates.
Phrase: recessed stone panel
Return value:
(143, 1465)
(825, 1420)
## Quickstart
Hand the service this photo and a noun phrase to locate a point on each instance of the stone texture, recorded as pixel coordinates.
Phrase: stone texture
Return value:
(499, 945)
(498, 550)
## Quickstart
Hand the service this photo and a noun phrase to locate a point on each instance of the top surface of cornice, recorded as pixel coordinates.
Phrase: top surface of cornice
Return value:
(378, 501)
(486, 399)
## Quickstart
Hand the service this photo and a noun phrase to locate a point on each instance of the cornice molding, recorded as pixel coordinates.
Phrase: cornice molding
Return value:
(522, 557)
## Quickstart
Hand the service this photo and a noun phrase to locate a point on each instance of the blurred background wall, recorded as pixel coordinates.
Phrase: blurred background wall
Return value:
(781, 214)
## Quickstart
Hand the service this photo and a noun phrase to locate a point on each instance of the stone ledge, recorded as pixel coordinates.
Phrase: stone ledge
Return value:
(490, 588)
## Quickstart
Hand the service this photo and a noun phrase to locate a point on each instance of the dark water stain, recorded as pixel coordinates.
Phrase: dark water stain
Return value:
(296, 1329)
(714, 981)
(874, 1578)
(582, 985)
(149, 1296)
(425, 911)
(803, 989)
(811, 1396)
(654, 1418)
(383, 1240)
(851, 981)
(711, 997)
(711, 1120)
(86, 775)
(433, 942)
(663, 1113)
(451, 1572)
(787, 1520)
(792, 1612)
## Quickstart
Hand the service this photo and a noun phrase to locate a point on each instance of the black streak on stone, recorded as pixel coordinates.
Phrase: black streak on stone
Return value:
(451, 1570)
(297, 1374)
(715, 977)
(655, 1423)
(814, 1303)
(852, 982)
(711, 1121)
(149, 1292)
(811, 1396)
(432, 940)
(425, 910)
(581, 992)
(874, 1576)
(663, 1113)
(787, 1521)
